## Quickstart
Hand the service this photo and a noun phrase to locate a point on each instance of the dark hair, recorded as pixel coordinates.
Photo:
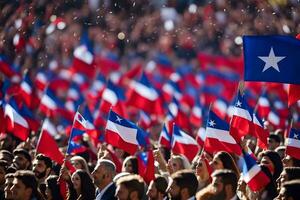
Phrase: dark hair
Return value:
(23, 152)
(296, 162)
(228, 177)
(86, 185)
(275, 137)
(9, 154)
(28, 179)
(4, 164)
(161, 184)
(47, 160)
(292, 172)
(275, 158)
(134, 163)
(9, 175)
(54, 187)
(133, 183)
(228, 162)
(292, 189)
(271, 187)
(186, 179)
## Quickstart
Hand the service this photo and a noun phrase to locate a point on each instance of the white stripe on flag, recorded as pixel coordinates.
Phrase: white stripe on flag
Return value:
(127, 134)
(220, 135)
(26, 87)
(48, 102)
(293, 142)
(110, 96)
(242, 113)
(251, 173)
(148, 93)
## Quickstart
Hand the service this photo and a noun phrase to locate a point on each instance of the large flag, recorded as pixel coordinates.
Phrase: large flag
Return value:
(184, 144)
(254, 177)
(218, 137)
(293, 144)
(272, 59)
(124, 134)
(46, 143)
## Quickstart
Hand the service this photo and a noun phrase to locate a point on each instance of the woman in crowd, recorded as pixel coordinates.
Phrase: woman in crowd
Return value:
(223, 160)
(272, 160)
(83, 187)
(53, 190)
(130, 165)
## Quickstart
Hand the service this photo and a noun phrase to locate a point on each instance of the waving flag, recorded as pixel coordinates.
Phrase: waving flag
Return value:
(201, 135)
(254, 177)
(293, 94)
(184, 144)
(34, 124)
(124, 134)
(218, 137)
(196, 114)
(7, 68)
(241, 120)
(176, 114)
(293, 144)
(84, 61)
(260, 132)
(41, 80)
(165, 137)
(146, 165)
(272, 59)
(27, 91)
(144, 96)
(50, 103)
(46, 143)
(263, 105)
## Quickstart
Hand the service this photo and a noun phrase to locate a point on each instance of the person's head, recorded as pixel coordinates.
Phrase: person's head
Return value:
(7, 156)
(224, 183)
(8, 185)
(104, 172)
(157, 188)
(202, 169)
(42, 166)
(25, 185)
(53, 188)
(272, 160)
(183, 185)
(290, 190)
(79, 163)
(3, 170)
(273, 141)
(281, 151)
(8, 141)
(22, 159)
(288, 174)
(82, 181)
(130, 164)
(289, 161)
(178, 162)
(270, 189)
(130, 187)
(223, 160)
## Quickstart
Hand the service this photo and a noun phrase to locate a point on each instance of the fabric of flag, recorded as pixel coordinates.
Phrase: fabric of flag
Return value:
(293, 144)
(218, 137)
(15, 122)
(241, 120)
(50, 103)
(272, 59)
(146, 166)
(165, 137)
(253, 176)
(7, 68)
(143, 95)
(184, 144)
(263, 105)
(41, 80)
(84, 61)
(293, 94)
(27, 91)
(178, 116)
(47, 144)
(201, 135)
(196, 114)
(276, 121)
(78, 129)
(260, 132)
(33, 122)
(124, 134)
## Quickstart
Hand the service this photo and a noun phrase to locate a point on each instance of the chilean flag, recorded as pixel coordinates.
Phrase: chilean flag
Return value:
(201, 135)
(84, 61)
(165, 138)
(27, 91)
(46, 143)
(33, 123)
(218, 137)
(184, 144)
(263, 105)
(276, 121)
(196, 114)
(15, 123)
(260, 132)
(293, 144)
(176, 113)
(241, 120)
(144, 96)
(50, 103)
(255, 178)
(41, 80)
(124, 134)
(146, 166)
(293, 94)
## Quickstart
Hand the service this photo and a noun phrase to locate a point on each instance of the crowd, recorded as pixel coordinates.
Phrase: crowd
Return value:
(41, 35)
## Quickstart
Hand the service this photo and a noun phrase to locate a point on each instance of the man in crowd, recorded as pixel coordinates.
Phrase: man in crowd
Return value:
(130, 187)
(157, 188)
(290, 190)
(8, 185)
(22, 159)
(183, 185)
(103, 175)
(273, 142)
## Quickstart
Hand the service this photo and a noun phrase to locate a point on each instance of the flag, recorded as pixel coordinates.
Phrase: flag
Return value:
(196, 114)
(124, 134)
(165, 137)
(260, 132)
(263, 105)
(46, 143)
(8, 69)
(146, 166)
(254, 177)
(201, 135)
(50, 103)
(293, 94)
(293, 144)
(84, 61)
(184, 144)
(272, 59)
(241, 119)
(143, 95)
(27, 91)
(41, 80)
(78, 129)
(34, 124)
(177, 115)
(15, 122)
(218, 137)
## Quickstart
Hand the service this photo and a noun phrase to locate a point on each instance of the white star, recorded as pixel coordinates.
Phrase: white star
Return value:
(212, 123)
(295, 136)
(118, 119)
(238, 104)
(271, 60)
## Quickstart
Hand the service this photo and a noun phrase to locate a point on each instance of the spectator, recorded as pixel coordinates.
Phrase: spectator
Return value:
(83, 188)
(290, 190)
(79, 163)
(7, 156)
(288, 174)
(157, 188)
(289, 161)
(202, 173)
(183, 185)
(224, 184)
(25, 186)
(223, 160)
(53, 191)
(130, 164)
(176, 163)
(272, 160)
(273, 142)
(8, 185)
(130, 187)
(22, 159)
(3, 169)
(103, 176)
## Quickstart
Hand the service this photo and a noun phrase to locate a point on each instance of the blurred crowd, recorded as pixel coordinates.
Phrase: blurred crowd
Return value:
(42, 35)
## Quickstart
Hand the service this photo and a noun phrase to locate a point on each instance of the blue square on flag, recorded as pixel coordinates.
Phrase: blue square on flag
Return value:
(272, 59)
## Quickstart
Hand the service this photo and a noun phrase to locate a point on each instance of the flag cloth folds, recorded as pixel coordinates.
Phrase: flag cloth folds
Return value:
(146, 166)
(254, 177)
(272, 59)
(124, 134)
(293, 144)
